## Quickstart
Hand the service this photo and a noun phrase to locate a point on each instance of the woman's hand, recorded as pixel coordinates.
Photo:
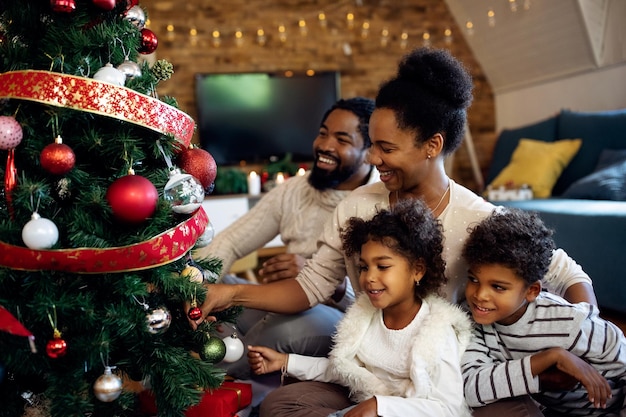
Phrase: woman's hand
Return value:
(263, 360)
(367, 408)
(283, 266)
(218, 297)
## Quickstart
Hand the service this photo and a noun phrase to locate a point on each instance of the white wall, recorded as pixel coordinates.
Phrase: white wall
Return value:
(602, 89)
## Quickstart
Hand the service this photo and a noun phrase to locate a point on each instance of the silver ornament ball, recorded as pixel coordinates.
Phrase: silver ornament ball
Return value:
(184, 192)
(206, 237)
(130, 69)
(108, 386)
(136, 16)
(158, 320)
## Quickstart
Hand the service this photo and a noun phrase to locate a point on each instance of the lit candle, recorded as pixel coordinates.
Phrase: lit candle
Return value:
(254, 183)
(301, 171)
(280, 178)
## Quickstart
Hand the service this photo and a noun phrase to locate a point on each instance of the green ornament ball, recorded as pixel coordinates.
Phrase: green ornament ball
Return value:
(213, 350)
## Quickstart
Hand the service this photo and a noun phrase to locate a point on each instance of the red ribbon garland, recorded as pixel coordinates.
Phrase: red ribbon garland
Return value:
(159, 250)
(93, 96)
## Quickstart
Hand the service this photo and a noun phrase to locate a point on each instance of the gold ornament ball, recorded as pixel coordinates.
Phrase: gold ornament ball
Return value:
(213, 350)
(193, 274)
(108, 386)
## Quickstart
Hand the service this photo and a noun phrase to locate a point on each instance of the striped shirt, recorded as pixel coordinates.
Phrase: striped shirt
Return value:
(496, 364)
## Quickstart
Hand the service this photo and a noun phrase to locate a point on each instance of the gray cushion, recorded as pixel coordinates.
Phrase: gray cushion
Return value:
(607, 182)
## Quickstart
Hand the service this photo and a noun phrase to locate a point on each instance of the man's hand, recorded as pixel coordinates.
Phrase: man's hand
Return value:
(283, 266)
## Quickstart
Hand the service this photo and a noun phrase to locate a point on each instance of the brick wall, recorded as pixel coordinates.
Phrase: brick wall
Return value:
(363, 59)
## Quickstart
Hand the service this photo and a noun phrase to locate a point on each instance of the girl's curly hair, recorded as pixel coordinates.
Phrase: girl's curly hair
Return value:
(410, 230)
(513, 238)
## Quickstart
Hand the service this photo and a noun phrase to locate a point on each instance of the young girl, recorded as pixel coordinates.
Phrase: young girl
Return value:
(397, 350)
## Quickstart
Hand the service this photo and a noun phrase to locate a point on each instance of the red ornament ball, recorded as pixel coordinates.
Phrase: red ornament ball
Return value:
(57, 158)
(194, 313)
(198, 163)
(128, 3)
(63, 6)
(132, 198)
(107, 5)
(149, 41)
(56, 348)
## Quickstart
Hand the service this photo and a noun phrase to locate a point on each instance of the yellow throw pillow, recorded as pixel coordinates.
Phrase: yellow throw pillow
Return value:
(538, 164)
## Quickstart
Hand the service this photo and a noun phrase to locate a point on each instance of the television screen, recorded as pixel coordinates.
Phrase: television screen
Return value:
(254, 117)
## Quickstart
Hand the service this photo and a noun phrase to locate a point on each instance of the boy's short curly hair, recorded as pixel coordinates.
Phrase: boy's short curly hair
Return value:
(513, 238)
(408, 229)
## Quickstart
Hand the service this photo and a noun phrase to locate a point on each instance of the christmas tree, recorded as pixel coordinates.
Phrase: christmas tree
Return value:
(101, 206)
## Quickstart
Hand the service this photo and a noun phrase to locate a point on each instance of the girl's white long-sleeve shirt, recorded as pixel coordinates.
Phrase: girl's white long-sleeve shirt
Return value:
(414, 371)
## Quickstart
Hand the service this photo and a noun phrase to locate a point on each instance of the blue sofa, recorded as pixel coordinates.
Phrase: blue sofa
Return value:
(587, 208)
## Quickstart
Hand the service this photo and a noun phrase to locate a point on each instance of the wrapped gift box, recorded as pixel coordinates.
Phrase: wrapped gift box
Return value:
(224, 401)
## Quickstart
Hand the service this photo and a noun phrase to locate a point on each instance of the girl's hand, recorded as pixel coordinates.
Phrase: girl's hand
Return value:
(367, 408)
(598, 389)
(264, 360)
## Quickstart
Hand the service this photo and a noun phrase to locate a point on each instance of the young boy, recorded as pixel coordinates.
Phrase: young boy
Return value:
(522, 331)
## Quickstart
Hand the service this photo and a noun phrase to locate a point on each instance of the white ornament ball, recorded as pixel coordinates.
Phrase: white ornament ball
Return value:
(206, 237)
(108, 386)
(40, 233)
(184, 192)
(234, 348)
(110, 74)
(10, 133)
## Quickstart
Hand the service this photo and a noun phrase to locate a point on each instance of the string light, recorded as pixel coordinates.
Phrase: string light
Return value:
(469, 26)
(350, 20)
(321, 17)
(384, 37)
(491, 17)
(302, 26)
(170, 35)
(193, 36)
(447, 36)
(239, 38)
(260, 37)
(216, 38)
(404, 39)
(365, 29)
(337, 36)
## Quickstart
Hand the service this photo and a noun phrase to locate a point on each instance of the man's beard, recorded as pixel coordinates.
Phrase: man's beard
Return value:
(321, 179)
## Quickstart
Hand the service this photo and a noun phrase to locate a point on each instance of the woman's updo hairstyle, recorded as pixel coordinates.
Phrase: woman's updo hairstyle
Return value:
(430, 94)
